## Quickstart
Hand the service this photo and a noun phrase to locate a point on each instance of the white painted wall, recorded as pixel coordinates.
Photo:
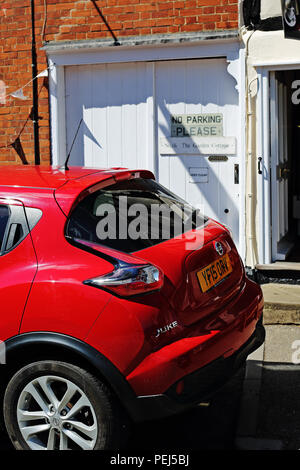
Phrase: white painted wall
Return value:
(271, 47)
(270, 8)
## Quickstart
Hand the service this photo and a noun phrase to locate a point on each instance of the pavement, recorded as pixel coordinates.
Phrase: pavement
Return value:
(270, 406)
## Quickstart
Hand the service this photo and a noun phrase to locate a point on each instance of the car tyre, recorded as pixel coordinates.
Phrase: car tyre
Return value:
(53, 405)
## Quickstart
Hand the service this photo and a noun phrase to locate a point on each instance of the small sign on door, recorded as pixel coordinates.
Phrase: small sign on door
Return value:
(197, 125)
(198, 175)
(169, 146)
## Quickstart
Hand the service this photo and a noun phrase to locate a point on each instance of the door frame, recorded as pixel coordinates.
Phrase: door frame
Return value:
(265, 146)
(279, 151)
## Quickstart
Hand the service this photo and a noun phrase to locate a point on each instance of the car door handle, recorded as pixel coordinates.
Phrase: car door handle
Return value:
(13, 233)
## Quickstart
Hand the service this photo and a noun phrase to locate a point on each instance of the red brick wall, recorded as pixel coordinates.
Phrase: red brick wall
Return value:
(79, 20)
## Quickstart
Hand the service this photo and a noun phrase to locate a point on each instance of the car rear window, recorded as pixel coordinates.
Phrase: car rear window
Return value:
(132, 215)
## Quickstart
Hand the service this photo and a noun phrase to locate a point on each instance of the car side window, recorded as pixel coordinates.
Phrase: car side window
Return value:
(4, 218)
(15, 224)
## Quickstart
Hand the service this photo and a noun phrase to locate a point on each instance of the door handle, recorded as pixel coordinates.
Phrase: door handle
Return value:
(285, 173)
(282, 172)
(259, 166)
(236, 173)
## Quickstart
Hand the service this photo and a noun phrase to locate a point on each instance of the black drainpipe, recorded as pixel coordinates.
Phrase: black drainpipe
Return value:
(35, 106)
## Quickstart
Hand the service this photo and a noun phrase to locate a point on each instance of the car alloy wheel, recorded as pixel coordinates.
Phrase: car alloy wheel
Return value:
(54, 413)
(52, 405)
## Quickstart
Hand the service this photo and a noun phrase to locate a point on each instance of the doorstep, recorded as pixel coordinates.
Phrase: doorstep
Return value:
(279, 266)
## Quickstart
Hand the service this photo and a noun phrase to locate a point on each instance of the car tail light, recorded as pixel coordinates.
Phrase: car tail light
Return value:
(228, 229)
(128, 280)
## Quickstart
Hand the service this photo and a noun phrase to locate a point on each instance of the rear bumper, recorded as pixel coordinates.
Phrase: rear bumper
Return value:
(199, 386)
(219, 335)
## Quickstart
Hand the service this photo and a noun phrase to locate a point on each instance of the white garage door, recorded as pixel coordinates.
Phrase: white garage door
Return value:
(128, 108)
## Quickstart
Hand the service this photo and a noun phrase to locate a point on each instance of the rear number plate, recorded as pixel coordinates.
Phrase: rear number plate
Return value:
(212, 274)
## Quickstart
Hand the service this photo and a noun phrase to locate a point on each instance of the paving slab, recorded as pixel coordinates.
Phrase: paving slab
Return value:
(251, 443)
(270, 408)
(249, 404)
(281, 345)
(282, 304)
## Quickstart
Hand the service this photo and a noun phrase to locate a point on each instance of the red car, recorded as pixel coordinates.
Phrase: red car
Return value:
(97, 332)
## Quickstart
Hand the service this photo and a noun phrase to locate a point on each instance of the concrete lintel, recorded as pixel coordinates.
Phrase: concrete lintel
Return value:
(129, 41)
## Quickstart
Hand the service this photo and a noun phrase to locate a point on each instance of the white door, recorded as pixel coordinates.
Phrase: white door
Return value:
(115, 102)
(127, 108)
(200, 87)
(279, 168)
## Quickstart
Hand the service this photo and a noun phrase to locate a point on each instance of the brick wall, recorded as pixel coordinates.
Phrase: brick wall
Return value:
(67, 20)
